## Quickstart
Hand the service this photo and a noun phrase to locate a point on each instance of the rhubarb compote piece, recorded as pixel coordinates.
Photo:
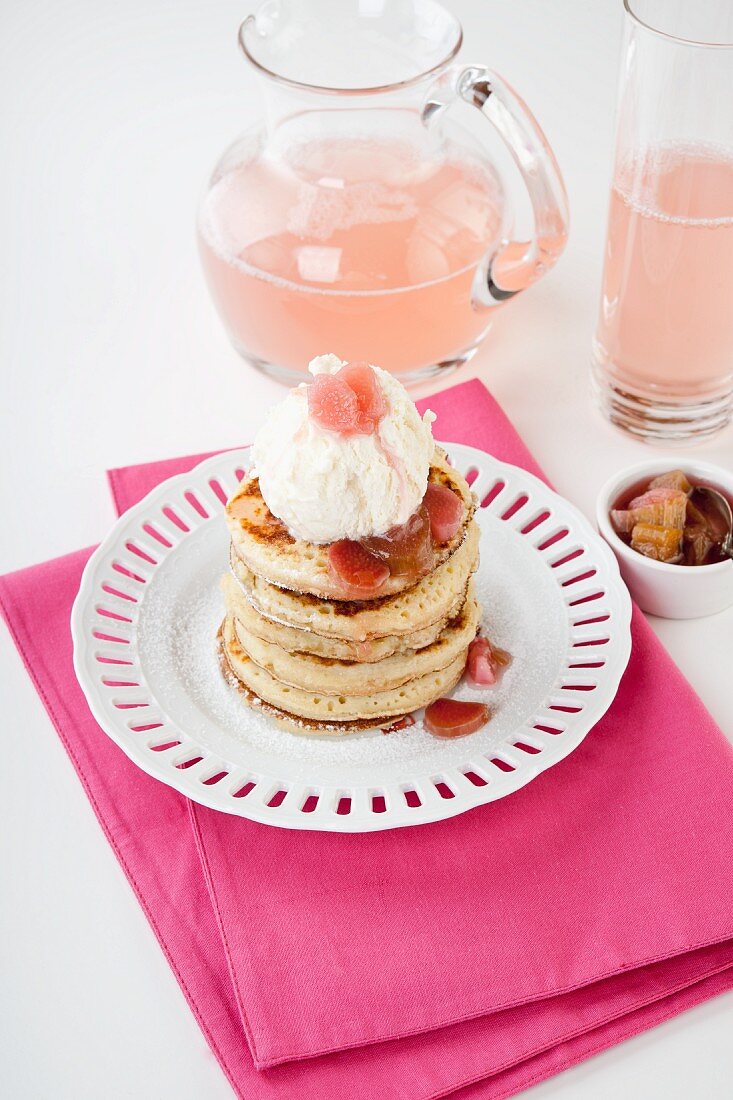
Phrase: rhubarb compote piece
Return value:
(349, 402)
(408, 548)
(445, 509)
(455, 718)
(485, 662)
(369, 397)
(355, 568)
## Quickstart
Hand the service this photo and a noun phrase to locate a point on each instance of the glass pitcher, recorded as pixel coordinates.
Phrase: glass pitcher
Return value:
(365, 214)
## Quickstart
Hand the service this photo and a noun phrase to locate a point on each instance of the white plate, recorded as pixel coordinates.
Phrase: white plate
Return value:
(144, 625)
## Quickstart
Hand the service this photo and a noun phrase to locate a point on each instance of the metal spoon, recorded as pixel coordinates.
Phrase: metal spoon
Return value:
(723, 508)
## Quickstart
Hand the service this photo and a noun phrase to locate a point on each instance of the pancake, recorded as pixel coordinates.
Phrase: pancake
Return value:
(288, 721)
(296, 640)
(428, 602)
(269, 551)
(333, 713)
(331, 677)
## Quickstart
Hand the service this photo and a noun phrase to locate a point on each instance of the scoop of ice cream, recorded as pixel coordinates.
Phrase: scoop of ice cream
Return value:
(325, 485)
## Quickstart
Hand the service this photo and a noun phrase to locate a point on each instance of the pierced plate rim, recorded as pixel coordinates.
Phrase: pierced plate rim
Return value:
(198, 781)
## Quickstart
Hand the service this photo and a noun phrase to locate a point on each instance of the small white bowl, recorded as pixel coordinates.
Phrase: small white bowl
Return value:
(672, 591)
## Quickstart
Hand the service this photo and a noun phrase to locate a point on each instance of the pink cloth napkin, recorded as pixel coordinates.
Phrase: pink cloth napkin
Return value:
(483, 953)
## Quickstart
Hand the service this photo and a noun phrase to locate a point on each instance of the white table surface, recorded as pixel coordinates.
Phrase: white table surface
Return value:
(111, 353)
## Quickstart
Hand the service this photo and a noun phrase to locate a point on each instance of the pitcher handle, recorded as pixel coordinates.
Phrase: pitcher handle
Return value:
(513, 265)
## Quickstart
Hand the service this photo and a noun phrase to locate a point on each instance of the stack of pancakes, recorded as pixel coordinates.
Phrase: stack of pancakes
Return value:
(319, 663)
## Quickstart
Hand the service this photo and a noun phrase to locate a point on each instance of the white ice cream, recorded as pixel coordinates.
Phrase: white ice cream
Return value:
(325, 486)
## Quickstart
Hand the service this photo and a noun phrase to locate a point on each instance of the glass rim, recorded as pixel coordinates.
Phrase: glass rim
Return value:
(699, 43)
(332, 89)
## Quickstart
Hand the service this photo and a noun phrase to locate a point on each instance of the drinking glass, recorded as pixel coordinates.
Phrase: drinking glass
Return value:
(365, 213)
(663, 352)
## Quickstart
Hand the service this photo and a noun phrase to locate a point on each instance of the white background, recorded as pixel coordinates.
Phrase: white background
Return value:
(115, 110)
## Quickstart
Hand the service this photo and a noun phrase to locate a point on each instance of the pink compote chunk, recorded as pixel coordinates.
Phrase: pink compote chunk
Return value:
(408, 548)
(349, 402)
(332, 404)
(662, 506)
(445, 509)
(455, 718)
(353, 566)
(369, 397)
(485, 662)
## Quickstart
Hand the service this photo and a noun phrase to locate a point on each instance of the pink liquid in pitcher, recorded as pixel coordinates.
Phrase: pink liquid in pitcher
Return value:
(367, 249)
(666, 321)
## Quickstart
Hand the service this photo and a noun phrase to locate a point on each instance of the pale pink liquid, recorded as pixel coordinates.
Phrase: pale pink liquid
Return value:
(363, 249)
(666, 322)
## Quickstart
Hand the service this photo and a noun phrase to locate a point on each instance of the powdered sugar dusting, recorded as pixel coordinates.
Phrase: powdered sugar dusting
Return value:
(183, 608)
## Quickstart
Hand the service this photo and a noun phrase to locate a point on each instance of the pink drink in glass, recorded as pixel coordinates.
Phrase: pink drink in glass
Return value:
(666, 318)
(663, 355)
(367, 249)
